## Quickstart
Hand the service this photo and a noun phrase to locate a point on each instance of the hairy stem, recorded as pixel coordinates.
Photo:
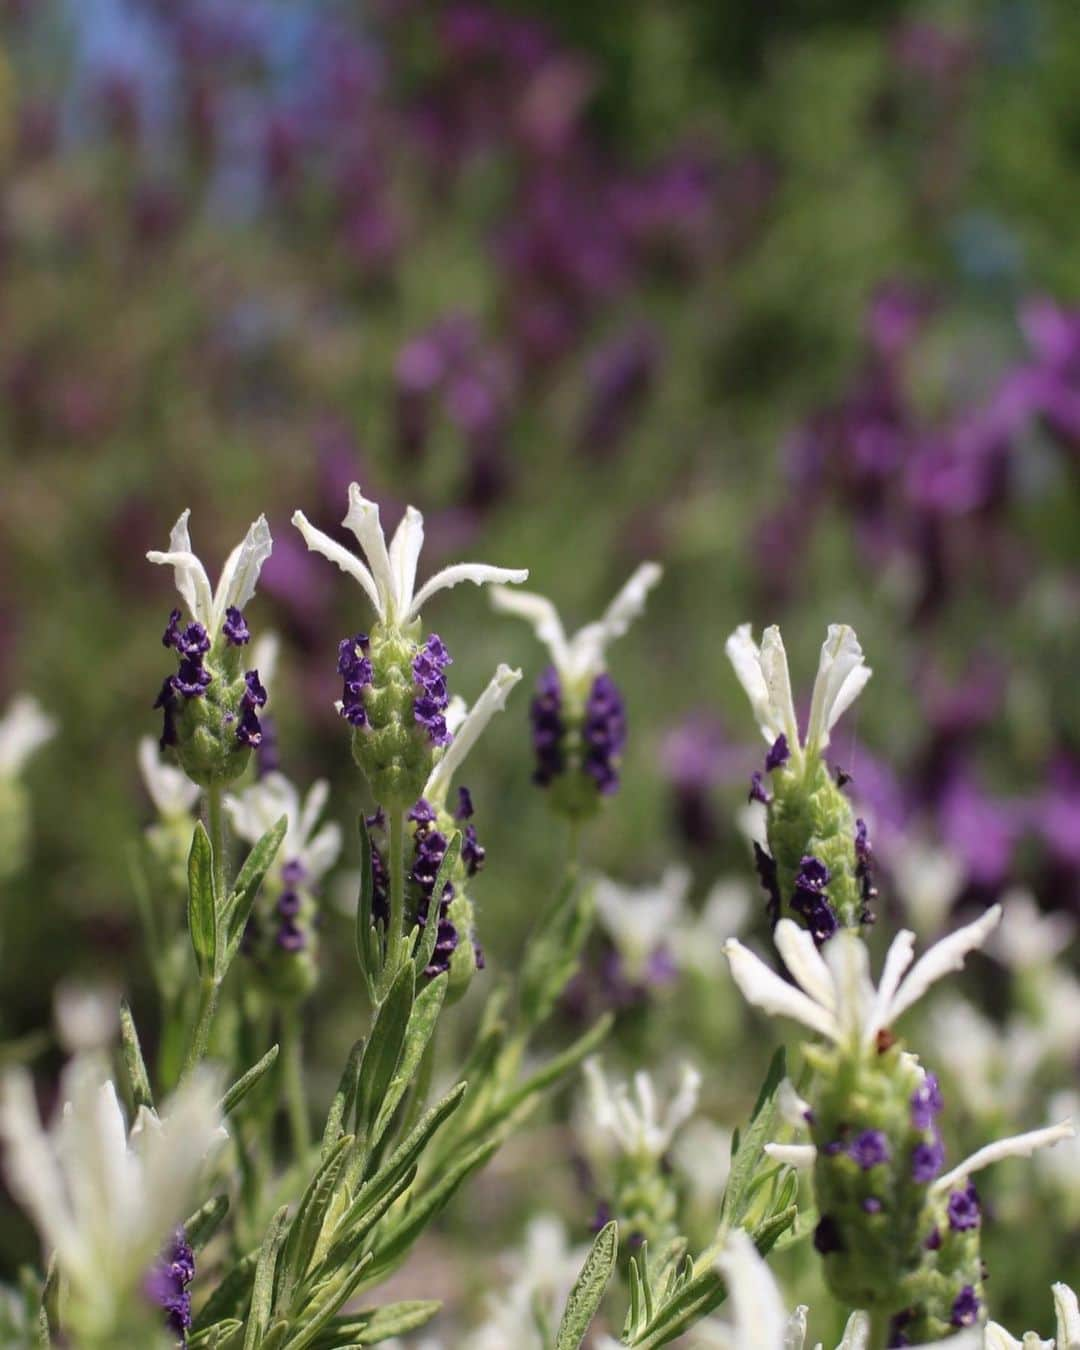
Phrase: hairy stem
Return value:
(394, 934)
(292, 1070)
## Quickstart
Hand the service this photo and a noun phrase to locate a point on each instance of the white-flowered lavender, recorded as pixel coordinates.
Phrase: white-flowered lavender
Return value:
(899, 1235)
(394, 693)
(24, 728)
(628, 1134)
(819, 860)
(108, 1202)
(432, 821)
(1067, 1319)
(211, 704)
(578, 715)
(282, 933)
(643, 923)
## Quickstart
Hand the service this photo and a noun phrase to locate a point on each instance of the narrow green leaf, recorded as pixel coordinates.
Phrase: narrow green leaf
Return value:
(310, 1215)
(421, 1025)
(275, 1337)
(426, 946)
(403, 1157)
(318, 1313)
(247, 1081)
(370, 1326)
(240, 902)
(202, 910)
(262, 1290)
(231, 1296)
(394, 1245)
(554, 950)
(134, 1064)
(348, 1247)
(204, 1223)
(588, 1290)
(751, 1148)
(343, 1097)
(383, 1051)
(212, 1337)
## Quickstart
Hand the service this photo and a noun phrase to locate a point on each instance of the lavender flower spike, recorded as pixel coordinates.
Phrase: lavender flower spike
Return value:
(389, 575)
(237, 582)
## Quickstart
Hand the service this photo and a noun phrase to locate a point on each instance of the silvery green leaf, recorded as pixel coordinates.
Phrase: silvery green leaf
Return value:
(402, 1159)
(275, 1337)
(247, 1081)
(369, 1327)
(202, 910)
(348, 1246)
(383, 1051)
(333, 1296)
(422, 1019)
(426, 946)
(395, 1243)
(343, 1098)
(588, 1290)
(246, 888)
(262, 1290)
(310, 1214)
(553, 951)
(216, 1337)
(750, 1149)
(134, 1064)
(204, 1223)
(231, 1296)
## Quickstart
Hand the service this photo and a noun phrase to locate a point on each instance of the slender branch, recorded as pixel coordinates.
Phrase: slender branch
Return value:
(880, 1323)
(292, 1071)
(215, 828)
(394, 934)
(200, 1039)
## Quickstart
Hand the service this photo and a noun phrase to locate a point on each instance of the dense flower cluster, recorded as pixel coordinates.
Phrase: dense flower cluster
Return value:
(168, 1281)
(433, 698)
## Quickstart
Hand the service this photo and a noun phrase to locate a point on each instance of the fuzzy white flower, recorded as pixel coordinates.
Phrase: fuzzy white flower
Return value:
(1061, 1166)
(580, 658)
(1027, 937)
(389, 576)
(87, 1015)
(928, 879)
(728, 906)
(702, 1151)
(833, 994)
(541, 1277)
(466, 726)
(238, 579)
(759, 1319)
(103, 1200)
(991, 1067)
(763, 673)
(171, 790)
(642, 919)
(24, 728)
(1068, 1327)
(637, 1126)
(259, 806)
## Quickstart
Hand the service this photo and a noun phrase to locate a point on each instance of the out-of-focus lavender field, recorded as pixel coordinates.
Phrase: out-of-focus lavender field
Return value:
(788, 301)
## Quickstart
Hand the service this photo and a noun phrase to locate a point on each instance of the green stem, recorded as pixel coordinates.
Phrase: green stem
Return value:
(292, 1070)
(880, 1322)
(215, 827)
(200, 1039)
(394, 934)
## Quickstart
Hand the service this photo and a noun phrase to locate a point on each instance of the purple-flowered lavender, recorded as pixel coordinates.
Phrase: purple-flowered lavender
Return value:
(168, 1281)
(820, 854)
(395, 696)
(898, 1237)
(577, 713)
(283, 932)
(211, 704)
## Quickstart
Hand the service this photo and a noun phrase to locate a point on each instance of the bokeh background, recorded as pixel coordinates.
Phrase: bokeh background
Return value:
(778, 295)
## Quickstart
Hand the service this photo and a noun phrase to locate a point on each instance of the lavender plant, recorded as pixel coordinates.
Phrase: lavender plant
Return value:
(196, 1224)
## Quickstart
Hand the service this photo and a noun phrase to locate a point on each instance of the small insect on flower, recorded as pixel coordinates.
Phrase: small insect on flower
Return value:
(578, 716)
(211, 705)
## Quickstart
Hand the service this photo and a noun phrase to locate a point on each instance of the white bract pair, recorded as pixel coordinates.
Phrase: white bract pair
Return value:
(24, 728)
(256, 809)
(238, 579)
(389, 576)
(580, 658)
(106, 1201)
(763, 673)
